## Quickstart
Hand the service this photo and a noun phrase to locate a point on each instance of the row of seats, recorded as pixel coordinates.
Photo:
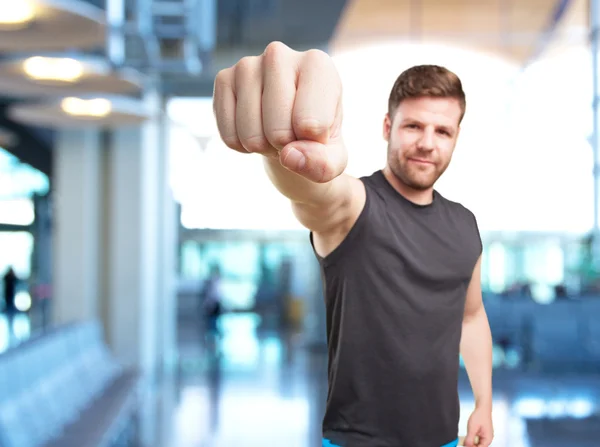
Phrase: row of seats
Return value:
(560, 432)
(64, 388)
(560, 335)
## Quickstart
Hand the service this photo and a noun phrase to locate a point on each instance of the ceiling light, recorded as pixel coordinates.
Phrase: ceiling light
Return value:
(14, 14)
(93, 108)
(53, 69)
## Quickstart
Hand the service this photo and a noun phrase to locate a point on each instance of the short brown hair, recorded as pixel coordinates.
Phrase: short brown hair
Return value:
(426, 80)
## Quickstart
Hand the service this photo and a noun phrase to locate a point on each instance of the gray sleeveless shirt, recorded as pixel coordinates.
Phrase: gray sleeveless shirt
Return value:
(395, 293)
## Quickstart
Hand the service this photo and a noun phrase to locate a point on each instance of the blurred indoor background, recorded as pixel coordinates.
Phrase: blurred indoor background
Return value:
(121, 214)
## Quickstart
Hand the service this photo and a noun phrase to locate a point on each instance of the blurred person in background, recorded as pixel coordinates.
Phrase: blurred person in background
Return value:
(211, 297)
(10, 281)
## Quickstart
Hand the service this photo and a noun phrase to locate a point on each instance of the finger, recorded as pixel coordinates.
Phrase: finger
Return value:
(318, 97)
(470, 439)
(280, 71)
(224, 106)
(483, 441)
(248, 114)
(314, 161)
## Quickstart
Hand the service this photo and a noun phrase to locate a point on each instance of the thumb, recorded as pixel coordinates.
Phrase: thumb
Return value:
(470, 440)
(314, 161)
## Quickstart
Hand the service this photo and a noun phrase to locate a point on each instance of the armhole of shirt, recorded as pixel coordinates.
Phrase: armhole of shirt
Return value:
(477, 232)
(356, 229)
(478, 235)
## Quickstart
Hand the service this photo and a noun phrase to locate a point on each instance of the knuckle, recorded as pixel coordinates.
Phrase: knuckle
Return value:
(276, 54)
(231, 141)
(315, 55)
(275, 50)
(310, 126)
(280, 138)
(246, 65)
(255, 144)
(222, 76)
(223, 80)
(321, 61)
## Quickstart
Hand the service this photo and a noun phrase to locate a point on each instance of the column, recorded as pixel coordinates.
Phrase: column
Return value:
(76, 226)
(168, 230)
(114, 239)
(140, 311)
(133, 241)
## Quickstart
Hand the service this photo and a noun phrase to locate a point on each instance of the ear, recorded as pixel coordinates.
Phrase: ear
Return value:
(387, 127)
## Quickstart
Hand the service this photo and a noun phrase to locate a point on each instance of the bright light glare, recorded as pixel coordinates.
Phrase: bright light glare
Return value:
(53, 69)
(14, 14)
(23, 301)
(96, 108)
(16, 211)
(512, 144)
(535, 408)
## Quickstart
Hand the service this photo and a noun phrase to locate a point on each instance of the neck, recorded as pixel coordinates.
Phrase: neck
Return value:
(417, 196)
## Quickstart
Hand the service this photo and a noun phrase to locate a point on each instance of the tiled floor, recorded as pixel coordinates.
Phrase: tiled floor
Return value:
(269, 391)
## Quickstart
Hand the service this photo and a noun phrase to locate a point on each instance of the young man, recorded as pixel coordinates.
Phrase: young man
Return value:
(401, 264)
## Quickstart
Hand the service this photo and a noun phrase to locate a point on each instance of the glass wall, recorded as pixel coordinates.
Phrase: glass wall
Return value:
(537, 265)
(16, 251)
(19, 179)
(19, 182)
(251, 267)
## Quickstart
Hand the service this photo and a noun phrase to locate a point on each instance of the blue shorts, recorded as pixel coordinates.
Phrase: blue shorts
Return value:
(327, 443)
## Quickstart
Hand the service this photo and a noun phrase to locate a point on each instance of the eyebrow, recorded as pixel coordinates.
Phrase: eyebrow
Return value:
(450, 130)
(443, 127)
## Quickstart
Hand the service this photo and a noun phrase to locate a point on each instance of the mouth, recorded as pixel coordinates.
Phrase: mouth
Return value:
(421, 161)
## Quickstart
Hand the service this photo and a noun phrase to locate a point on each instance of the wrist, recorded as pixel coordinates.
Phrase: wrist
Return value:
(483, 404)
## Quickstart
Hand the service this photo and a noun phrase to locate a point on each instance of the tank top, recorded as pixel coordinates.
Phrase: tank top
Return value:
(395, 292)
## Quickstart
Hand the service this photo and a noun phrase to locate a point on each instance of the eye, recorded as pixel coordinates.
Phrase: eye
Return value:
(412, 126)
(444, 132)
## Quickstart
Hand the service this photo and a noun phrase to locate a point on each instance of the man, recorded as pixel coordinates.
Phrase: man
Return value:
(401, 264)
(211, 302)
(10, 290)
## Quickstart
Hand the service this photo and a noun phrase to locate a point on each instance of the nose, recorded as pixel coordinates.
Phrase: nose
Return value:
(426, 142)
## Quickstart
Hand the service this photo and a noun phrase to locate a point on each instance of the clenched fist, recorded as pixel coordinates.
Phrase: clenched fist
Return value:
(284, 104)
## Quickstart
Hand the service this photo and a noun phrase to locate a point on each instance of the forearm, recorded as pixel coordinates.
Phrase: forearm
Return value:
(476, 350)
(297, 188)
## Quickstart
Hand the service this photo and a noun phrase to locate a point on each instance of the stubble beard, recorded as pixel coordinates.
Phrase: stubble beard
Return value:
(412, 176)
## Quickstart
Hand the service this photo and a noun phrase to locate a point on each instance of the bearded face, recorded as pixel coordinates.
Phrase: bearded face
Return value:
(421, 138)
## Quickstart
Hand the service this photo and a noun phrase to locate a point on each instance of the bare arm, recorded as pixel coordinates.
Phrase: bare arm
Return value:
(476, 342)
(327, 209)
(476, 349)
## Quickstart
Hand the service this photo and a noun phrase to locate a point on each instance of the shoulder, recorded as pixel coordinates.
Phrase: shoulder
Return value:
(374, 185)
(356, 216)
(373, 180)
(456, 207)
(464, 218)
